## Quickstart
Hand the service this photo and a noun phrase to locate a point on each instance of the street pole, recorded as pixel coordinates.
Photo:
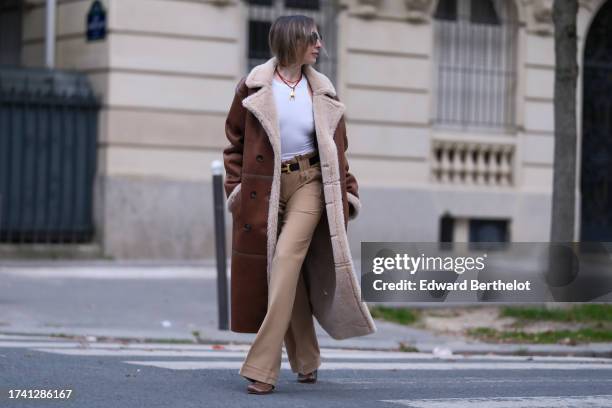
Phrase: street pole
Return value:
(219, 216)
(50, 34)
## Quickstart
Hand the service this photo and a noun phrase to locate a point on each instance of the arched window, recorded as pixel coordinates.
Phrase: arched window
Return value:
(475, 58)
(596, 165)
(262, 13)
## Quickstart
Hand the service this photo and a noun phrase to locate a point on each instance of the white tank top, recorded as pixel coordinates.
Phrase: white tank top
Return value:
(295, 117)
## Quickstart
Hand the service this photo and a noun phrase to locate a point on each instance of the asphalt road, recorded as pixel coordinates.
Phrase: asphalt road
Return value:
(162, 375)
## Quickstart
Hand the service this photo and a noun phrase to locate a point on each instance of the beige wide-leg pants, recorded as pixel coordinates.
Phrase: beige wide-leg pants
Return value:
(289, 315)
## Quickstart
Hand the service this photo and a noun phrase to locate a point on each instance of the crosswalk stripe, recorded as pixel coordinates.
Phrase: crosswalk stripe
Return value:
(32, 344)
(118, 272)
(325, 353)
(162, 346)
(509, 402)
(220, 353)
(232, 351)
(339, 365)
(24, 337)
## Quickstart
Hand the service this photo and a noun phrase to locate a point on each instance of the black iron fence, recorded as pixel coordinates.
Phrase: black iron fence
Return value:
(48, 136)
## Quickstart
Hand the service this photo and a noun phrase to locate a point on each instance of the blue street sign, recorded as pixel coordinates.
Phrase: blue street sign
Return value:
(96, 22)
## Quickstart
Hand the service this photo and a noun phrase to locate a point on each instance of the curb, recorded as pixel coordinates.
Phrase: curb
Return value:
(600, 350)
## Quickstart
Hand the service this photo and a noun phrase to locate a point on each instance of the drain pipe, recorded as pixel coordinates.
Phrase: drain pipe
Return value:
(50, 34)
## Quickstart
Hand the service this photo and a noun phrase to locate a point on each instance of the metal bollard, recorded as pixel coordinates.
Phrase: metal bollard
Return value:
(219, 216)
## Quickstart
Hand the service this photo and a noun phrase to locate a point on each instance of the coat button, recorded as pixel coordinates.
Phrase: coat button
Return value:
(259, 158)
(247, 227)
(253, 194)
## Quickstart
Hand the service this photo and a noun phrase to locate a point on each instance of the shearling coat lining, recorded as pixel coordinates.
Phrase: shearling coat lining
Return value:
(332, 283)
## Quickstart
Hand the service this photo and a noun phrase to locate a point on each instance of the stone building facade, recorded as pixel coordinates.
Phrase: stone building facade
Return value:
(449, 112)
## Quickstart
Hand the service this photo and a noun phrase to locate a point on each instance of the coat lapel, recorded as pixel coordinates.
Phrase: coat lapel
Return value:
(262, 105)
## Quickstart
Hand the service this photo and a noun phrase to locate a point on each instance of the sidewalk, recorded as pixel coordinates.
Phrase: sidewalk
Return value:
(173, 302)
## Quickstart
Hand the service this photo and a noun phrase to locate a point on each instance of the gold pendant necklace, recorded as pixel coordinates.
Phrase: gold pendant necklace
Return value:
(292, 94)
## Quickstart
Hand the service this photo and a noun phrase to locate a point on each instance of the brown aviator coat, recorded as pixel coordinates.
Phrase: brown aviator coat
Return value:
(252, 185)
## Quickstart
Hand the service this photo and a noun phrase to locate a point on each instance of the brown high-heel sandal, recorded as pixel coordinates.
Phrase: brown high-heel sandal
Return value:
(258, 387)
(310, 378)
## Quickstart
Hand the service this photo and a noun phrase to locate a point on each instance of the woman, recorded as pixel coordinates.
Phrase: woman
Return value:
(291, 195)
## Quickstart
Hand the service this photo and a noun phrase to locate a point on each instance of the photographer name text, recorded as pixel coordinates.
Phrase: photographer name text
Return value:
(431, 284)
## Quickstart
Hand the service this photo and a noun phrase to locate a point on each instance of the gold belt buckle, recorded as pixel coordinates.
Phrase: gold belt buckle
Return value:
(286, 167)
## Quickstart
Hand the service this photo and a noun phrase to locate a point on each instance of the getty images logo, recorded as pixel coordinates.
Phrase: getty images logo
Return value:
(412, 264)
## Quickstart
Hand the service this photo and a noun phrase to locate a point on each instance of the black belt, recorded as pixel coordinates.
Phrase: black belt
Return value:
(286, 168)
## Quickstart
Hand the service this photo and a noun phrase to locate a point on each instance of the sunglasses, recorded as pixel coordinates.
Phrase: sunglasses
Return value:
(314, 36)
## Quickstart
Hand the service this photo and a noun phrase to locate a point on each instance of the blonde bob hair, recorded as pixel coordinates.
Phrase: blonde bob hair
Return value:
(289, 38)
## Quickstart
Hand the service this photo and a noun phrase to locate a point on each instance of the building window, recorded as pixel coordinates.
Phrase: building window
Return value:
(447, 10)
(303, 4)
(262, 13)
(11, 15)
(475, 59)
(483, 12)
(446, 228)
(258, 40)
(473, 230)
(488, 230)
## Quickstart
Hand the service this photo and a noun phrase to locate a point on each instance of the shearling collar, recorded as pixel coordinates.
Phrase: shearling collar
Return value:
(262, 75)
